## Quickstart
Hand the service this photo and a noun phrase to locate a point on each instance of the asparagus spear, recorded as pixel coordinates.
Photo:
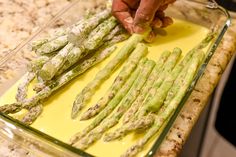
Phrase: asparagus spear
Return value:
(74, 55)
(61, 32)
(167, 109)
(97, 35)
(142, 124)
(50, 68)
(117, 30)
(123, 106)
(37, 64)
(167, 68)
(140, 51)
(77, 53)
(52, 45)
(23, 86)
(118, 38)
(153, 76)
(32, 114)
(111, 106)
(169, 65)
(37, 44)
(80, 32)
(132, 125)
(102, 75)
(59, 82)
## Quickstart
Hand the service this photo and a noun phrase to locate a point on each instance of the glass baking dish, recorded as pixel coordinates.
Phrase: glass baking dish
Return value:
(209, 15)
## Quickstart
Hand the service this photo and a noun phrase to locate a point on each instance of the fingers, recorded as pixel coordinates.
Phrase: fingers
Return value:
(166, 21)
(145, 14)
(149, 13)
(133, 4)
(122, 12)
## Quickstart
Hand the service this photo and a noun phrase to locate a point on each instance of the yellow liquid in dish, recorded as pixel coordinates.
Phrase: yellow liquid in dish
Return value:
(56, 120)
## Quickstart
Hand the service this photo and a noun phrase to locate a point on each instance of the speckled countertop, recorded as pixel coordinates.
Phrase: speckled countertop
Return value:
(34, 13)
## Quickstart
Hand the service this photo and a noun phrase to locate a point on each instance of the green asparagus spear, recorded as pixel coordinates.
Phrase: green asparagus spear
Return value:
(102, 75)
(58, 33)
(167, 110)
(37, 64)
(118, 38)
(72, 57)
(153, 76)
(165, 72)
(79, 33)
(122, 108)
(97, 35)
(117, 30)
(167, 68)
(139, 52)
(23, 86)
(32, 114)
(52, 45)
(142, 124)
(50, 68)
(59, 82)
(111, 106)
(77, 53)
(37, 44)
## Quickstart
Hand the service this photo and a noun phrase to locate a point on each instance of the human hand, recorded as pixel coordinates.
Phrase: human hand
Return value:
(137, 15)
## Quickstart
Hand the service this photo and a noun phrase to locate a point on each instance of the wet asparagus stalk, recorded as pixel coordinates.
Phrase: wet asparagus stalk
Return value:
(117, 30)
(96, 36)
(102, 75)
(37, 64)
(122, 131)
(111, 106)
(59, 82)
(167, 110)
(37, 44)
(125, 103)
(33, 114)
(139, 52)
(58, 33)
(167, 68)
(77, 53)
(161, 91)
(148, 85)
(23, 86)
(53, 45)
(142, 124)
(79, 33)
(50, 68)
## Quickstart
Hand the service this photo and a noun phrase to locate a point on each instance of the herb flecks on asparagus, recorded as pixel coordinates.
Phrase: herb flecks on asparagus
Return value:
(97, 35)
(23, 86)
(148, 85)
(50, 68)
(139, 52)
(53, 45)
(167, 110)
(59, 82)
(111, 106)
(102, 75)
(33, 114)
(78, 34)
(124, 104)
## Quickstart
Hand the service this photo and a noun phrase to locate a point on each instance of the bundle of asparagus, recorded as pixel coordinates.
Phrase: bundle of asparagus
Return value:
(60, 60)
(145, 99)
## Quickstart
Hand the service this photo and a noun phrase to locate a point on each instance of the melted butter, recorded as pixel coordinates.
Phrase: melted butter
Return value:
(55, 119)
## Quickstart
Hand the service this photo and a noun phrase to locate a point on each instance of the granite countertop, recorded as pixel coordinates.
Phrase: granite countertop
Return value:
(34, 13)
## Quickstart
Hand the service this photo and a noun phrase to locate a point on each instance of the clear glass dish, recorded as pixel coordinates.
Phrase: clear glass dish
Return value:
(209, 15)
